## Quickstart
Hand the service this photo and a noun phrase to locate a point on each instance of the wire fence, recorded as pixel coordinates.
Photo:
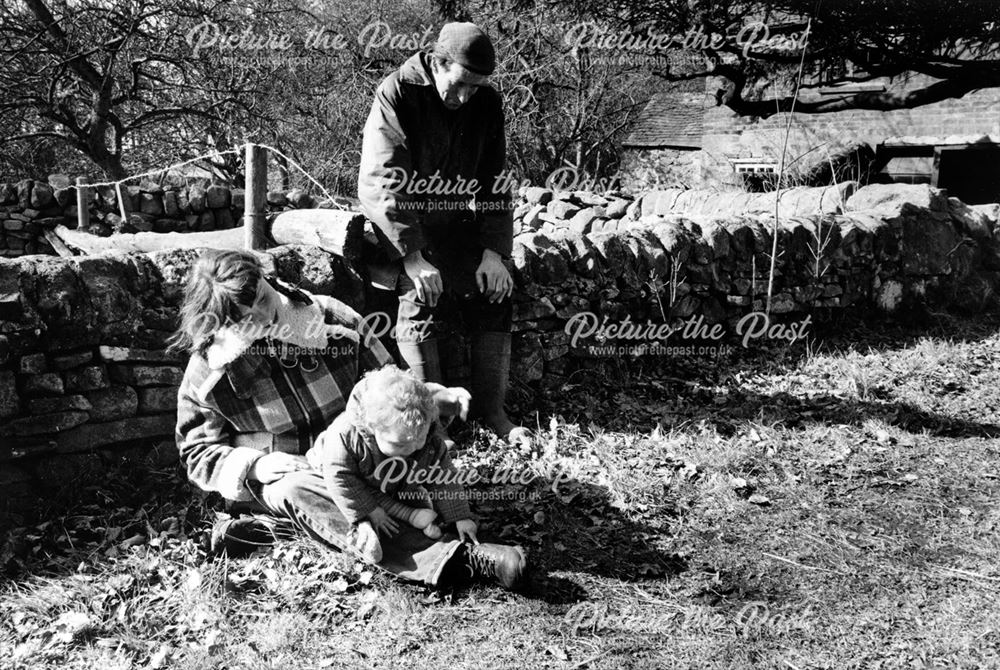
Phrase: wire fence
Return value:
(117, 184)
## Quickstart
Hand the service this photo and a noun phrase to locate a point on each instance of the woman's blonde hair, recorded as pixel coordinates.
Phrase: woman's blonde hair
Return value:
(219, 283)
(393, 398)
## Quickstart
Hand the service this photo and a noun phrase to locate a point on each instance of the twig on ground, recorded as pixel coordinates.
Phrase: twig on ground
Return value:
(587, 661)
(649, 598)
(800, 565)
(966, 573)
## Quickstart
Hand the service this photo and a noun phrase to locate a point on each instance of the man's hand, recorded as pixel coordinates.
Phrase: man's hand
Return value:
(466, 530)
(492, 277)
(425, 277)
(275, 465)
(383, 523)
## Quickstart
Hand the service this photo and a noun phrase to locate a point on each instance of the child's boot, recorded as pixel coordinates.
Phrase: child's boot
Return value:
(505, 564)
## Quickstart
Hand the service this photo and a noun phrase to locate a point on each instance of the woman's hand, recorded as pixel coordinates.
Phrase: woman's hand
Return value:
(466, 530)
(383, 523)
(271, 467)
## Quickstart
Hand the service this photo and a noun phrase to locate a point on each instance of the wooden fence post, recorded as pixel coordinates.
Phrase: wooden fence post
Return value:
(255, 197)
(123, 208)
(82, 204)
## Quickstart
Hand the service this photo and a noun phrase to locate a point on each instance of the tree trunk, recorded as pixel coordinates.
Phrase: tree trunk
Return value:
(333, 230)
(109, 163)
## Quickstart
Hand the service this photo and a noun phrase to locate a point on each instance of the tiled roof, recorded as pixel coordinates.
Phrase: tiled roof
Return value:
(669, 120)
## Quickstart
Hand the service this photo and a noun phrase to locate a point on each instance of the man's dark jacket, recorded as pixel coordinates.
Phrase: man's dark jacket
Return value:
(409, 129)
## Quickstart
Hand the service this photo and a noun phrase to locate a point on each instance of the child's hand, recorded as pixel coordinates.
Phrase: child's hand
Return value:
(451, 401)
(460, 402)
(423, 518)
(466, 530)
(383, 523)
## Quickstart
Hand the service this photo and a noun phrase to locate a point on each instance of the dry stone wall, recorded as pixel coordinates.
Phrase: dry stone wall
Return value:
(29, 207)
(674, 255)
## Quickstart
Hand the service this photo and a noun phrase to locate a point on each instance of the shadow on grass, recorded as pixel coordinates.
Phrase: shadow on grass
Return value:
(577, 530)
(787, 411)
(673, 406)
(640, 393)
(99, 518)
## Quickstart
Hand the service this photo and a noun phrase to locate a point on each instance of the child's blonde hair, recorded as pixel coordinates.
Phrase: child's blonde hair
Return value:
(393, 398)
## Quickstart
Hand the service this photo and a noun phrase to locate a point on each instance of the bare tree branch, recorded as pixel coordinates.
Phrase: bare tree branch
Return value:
(881, 101)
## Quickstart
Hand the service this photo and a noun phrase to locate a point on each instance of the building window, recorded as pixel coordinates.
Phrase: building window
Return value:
(755, 174)
(752, 169)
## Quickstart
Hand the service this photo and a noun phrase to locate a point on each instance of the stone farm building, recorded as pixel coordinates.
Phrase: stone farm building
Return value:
(682, 139)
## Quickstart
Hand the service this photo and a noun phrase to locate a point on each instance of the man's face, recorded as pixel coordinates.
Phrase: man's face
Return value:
(455, 84)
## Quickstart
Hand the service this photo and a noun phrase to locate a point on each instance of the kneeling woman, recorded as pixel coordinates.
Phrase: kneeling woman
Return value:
(270, 369)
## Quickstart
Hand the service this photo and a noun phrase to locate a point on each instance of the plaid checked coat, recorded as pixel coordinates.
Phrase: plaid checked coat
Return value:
(241, 400)
(349, 459)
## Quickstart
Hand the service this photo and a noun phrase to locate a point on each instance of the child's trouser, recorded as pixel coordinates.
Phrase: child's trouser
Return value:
(302, 497)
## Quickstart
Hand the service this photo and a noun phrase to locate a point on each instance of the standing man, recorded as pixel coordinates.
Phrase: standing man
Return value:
(434, 146)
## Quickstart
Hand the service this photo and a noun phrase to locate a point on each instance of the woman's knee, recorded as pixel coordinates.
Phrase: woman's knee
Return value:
(292, 488)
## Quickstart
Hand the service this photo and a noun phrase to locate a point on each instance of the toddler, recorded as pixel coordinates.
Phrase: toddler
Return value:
(368, 456)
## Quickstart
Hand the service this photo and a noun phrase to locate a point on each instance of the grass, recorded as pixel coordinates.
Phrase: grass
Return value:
(824, 505)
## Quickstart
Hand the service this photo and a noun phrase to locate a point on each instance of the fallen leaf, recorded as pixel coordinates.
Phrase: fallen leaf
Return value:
(558, 652)
(193, 581)
(201, 618)
(159, 658)
(212, 641)
(133, 541)
(170, 526)
(366, 610)
(883, 437)
(650, 570)
(72, 625)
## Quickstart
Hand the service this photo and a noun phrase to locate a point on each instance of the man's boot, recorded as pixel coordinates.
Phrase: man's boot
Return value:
(422, 359)
(490, 376)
